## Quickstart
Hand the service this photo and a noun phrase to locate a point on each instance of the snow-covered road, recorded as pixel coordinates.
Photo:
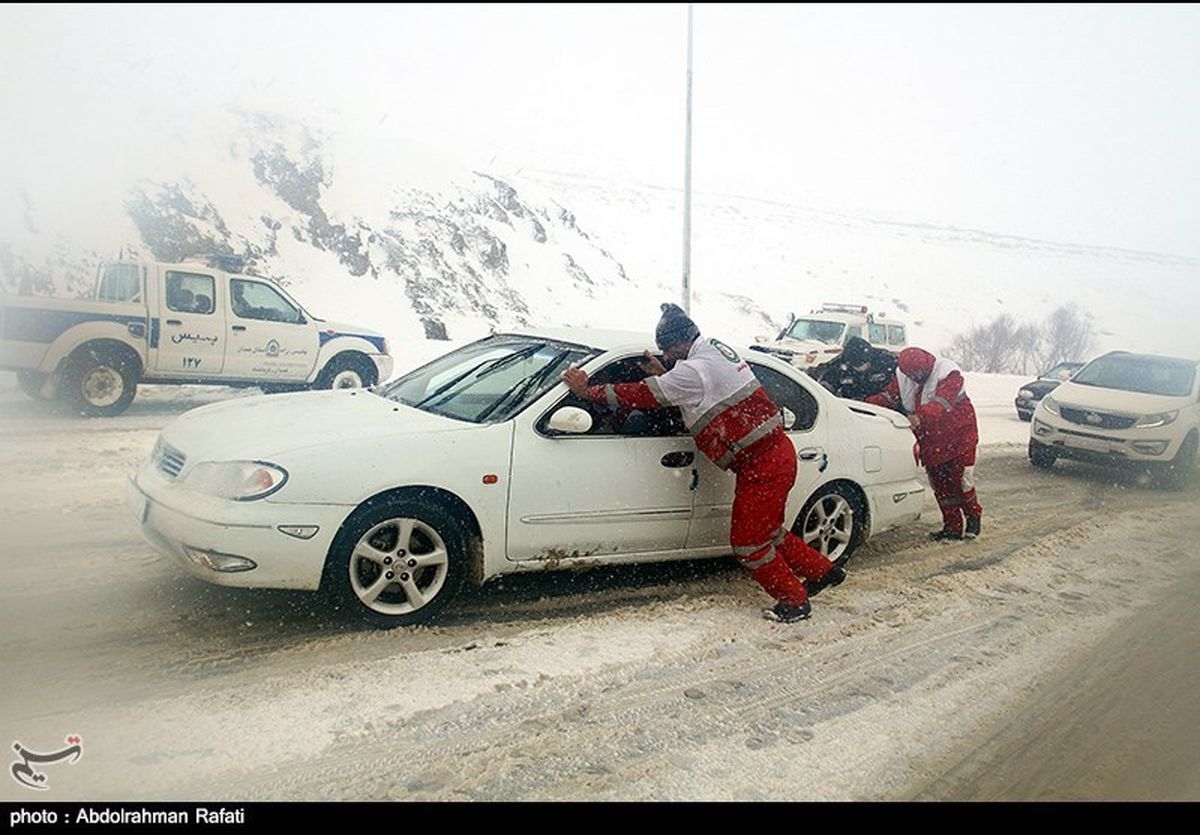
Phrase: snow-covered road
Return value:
(657, 682)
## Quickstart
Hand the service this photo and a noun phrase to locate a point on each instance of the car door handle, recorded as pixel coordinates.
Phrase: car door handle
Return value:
(174, 322)
(239, 327)
(812, 453)
(678, 459)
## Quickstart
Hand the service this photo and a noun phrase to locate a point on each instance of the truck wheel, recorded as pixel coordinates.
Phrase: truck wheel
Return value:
(31, 383)
(347, 372)
(99, 382)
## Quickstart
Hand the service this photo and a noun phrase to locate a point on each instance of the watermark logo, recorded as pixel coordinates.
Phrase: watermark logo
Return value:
(23, 770)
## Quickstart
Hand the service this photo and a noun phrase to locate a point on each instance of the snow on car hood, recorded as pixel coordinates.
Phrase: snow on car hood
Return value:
(1116, 400)
(259, 427)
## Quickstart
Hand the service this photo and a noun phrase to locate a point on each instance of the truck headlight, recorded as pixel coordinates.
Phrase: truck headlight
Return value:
(241, 481)
(1160, 419)
(1050, 404)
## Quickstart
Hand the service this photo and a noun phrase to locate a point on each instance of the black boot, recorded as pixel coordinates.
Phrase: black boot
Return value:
(787, 613)
(832, 577)
(944, 535)
(973, 527)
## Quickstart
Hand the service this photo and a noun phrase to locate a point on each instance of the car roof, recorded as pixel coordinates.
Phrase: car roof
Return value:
(616, 340)
(605, 340)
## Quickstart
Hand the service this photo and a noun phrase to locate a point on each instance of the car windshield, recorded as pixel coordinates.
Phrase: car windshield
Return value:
(817, 330)
(1061, 371)
(487, 381)
(1148, 375)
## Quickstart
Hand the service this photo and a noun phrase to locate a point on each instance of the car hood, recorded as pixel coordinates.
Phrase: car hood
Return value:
(252, 428)
(1104, 399)
(1041, 388)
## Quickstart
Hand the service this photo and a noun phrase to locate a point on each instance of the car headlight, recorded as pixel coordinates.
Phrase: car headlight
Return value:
(1160, 419)
(242, 481)
(1050, 404)
(1025, 393)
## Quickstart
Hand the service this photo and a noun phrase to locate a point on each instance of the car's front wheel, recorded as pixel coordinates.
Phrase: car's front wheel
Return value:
(398, 562)
(1182, 470)
(1041, 456)
(832, 521)
(347, 371)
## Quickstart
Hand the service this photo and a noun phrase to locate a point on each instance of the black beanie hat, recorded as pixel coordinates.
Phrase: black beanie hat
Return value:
(857, 350)
(674, 327)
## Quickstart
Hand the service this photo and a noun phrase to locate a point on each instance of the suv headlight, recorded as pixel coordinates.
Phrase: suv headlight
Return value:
(1050, 404)
(242, 481)
(1160, 419)
(1025, 393)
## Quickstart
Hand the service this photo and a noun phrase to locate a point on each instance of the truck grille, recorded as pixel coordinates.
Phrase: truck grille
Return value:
(1099, 420)
(169, 460)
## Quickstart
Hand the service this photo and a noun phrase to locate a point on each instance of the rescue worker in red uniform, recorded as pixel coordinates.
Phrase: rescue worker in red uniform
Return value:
(930, 391)
(735, 424)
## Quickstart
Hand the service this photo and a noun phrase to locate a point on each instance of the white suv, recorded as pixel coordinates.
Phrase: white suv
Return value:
(1123, 409)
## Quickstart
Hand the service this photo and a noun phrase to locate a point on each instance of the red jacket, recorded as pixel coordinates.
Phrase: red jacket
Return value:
(932, 389)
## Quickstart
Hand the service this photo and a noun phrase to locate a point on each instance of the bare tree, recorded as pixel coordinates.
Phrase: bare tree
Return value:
(993, 348)
(1069, 334)
(1029, 344)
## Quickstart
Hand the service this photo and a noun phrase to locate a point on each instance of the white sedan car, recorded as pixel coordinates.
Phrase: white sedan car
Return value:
(482, 463)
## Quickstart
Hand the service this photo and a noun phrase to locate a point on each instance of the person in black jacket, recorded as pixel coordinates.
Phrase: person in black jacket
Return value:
(858, 372)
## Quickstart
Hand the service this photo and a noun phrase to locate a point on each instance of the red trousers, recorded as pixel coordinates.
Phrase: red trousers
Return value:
(770, 552)
(953, 484)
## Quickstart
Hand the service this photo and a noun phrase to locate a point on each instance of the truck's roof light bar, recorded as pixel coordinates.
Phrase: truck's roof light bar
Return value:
(831, 307)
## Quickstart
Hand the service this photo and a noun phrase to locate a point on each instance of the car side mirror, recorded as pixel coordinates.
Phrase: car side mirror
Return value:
(570, 420)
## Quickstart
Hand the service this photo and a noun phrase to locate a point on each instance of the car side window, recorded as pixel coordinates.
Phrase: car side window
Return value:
(895, 334)
(877, 334)
(190, 292)
(651, 423)
(120, 283)
(790, 395)
(255, 300)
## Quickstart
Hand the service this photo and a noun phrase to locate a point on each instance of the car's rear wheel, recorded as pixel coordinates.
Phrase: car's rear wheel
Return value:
(833, 520)
(1041, 456)
(398, 562)
(100, 382)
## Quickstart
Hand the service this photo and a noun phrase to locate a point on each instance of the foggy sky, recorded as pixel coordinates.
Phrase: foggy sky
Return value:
(1074, 124)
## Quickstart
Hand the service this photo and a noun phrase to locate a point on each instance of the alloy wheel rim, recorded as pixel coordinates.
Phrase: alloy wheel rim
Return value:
(399, 566)
(829, 525)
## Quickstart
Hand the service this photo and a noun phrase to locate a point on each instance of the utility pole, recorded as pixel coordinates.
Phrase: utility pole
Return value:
(687, 181)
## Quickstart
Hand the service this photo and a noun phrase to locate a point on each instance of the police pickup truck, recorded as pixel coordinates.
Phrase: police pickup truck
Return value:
(816, 338)
(178, 323)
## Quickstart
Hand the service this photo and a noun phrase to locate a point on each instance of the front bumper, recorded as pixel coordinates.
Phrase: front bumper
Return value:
(199, 532)
(1111, 447)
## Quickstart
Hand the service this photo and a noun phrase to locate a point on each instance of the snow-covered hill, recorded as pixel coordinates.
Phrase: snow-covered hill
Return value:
(391, 235)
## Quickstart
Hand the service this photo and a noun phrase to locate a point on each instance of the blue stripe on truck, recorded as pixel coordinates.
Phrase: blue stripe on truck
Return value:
(377, 341)
(29, 324)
